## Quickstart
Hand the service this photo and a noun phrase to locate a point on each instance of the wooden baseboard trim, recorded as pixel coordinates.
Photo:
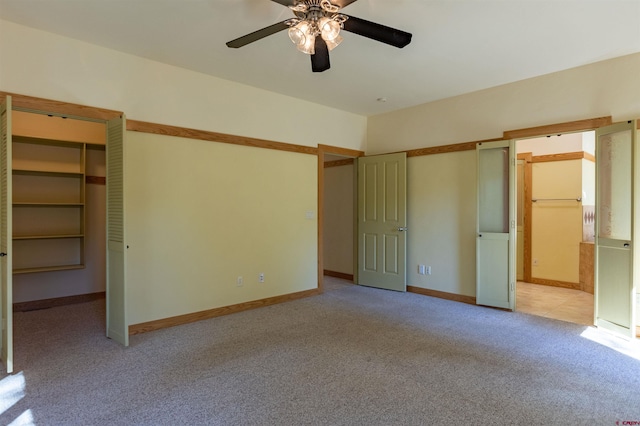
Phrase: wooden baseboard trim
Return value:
(638, 327)
(341, 275)
(442, 295)
(555, 283)
(96, 180)
(35, 305)
(217, 312)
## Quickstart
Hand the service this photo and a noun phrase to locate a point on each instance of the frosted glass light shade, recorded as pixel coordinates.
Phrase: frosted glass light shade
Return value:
(331, 44)
(300, 36)
(329, 28)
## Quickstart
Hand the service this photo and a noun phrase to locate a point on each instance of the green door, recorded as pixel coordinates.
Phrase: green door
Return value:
(496, 233)
(6, 235)
(614, 275)
(117, 325)
(382, 221)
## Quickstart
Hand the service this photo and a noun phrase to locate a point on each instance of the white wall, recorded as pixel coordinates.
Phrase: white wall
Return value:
(199, 214)
(50, 66)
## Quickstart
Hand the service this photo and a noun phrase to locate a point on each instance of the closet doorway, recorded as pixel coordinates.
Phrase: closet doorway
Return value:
(337, 190)
(555, 224)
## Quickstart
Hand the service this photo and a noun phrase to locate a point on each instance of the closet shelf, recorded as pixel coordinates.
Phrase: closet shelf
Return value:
(46, 237)
(32, 204)
(47, 269)
(46, 141)
(28, 172)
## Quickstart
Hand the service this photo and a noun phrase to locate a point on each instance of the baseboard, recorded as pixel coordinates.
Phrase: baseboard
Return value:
(341, 275)
(442, 295)
(217, 312)
(556, 283)
(34, 305)
(638, 331)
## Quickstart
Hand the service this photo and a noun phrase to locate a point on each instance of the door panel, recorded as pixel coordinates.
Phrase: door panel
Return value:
(6, 235)
(495, 239)
(614, 286)
(382, 221)
(117, 325)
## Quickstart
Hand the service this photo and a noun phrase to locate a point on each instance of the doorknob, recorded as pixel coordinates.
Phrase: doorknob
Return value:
(626, 245)
(402, 228)
(3, 254)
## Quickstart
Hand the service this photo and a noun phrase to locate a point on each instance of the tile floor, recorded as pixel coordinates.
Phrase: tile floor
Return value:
(555, 302)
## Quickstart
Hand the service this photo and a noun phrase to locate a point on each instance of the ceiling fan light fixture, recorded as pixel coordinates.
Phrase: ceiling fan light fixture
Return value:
(301, 35)
(298, 33)
(332, 44)
(329, 28)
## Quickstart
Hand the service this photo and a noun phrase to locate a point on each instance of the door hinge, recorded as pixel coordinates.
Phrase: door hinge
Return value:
(513, 224)
(513, 286)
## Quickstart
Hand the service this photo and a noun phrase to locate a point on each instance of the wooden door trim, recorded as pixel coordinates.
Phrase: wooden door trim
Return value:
(559, 128)
(321, 151)
(565, 156)
(528, 213)
(205, 135)
(63, 108)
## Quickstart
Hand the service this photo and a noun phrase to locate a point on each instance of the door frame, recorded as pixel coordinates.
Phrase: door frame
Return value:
(62, 109)
(343, 152)
(527, 213)
(541, 132)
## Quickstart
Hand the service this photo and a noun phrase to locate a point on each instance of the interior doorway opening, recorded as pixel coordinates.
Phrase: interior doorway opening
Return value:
(337, 190)
(555, 226)
(339, 216)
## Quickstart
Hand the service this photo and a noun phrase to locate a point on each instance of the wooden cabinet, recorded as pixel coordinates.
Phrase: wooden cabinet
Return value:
(48, 204)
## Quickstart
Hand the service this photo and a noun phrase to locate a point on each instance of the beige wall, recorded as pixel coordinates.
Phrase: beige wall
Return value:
(199, 214)
(601, 89)
(339, 218)
(556, 225)
(441, 199)
(554, 144)
(50, 66)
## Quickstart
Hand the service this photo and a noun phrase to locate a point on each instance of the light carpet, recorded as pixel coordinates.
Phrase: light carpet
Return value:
(352, 356)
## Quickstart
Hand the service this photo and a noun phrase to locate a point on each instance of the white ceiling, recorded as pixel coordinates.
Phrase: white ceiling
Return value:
(458, 46)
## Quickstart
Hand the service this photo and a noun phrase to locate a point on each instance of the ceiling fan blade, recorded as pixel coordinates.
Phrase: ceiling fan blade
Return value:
(285, 2)
(381, 33)
(320, 59)
(342, 3)
(257, 35)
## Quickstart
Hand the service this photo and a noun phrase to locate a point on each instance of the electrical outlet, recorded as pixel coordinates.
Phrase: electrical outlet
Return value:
(239, 282)
(261, 277)
(428, 270)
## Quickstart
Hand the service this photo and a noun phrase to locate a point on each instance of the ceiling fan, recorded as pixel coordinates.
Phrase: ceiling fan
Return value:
(315, 29)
